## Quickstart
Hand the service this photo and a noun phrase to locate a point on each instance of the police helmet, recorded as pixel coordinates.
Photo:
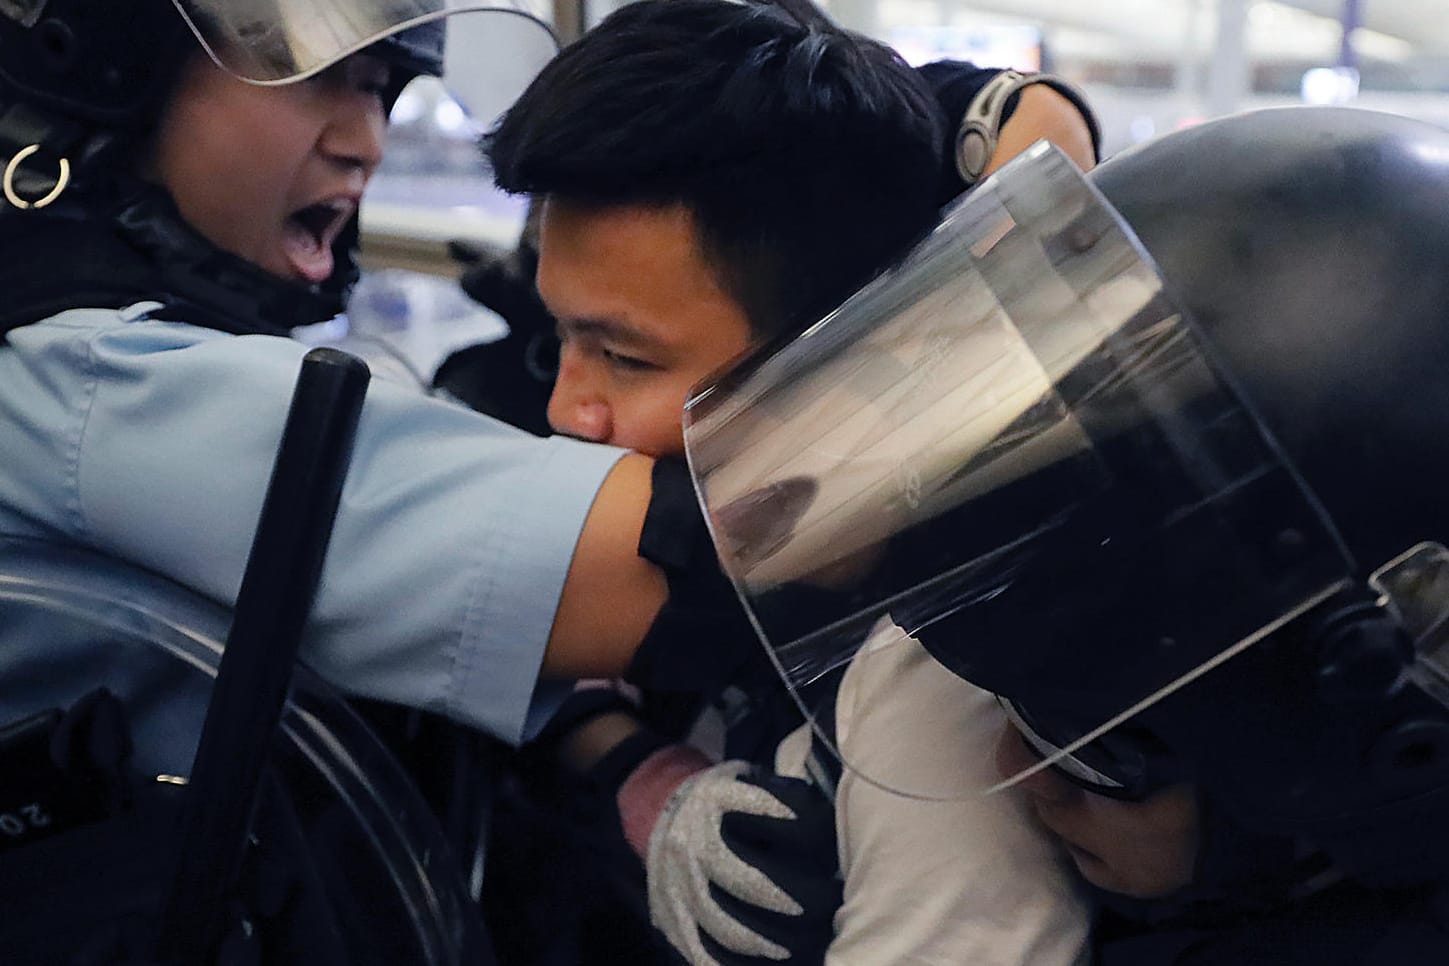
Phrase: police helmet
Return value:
(1157, 456)
(105, 62)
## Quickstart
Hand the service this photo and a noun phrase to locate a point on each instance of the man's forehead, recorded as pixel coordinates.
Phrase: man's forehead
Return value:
(617, 330)
(645, 237)
(630, 273)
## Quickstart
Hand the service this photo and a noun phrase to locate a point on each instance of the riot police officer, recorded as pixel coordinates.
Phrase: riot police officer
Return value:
(1155, 456)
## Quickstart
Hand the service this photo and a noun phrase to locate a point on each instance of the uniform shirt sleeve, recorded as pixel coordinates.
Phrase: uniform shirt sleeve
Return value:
(153, 442)
(940, 883)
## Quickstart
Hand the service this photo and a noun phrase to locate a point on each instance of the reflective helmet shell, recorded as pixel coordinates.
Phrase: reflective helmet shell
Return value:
(113, 63)
(102, 63)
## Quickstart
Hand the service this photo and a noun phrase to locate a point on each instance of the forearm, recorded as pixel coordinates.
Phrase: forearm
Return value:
(588, 744)
(611, 594)
(640, 782)
(644, 598)
(740, 864)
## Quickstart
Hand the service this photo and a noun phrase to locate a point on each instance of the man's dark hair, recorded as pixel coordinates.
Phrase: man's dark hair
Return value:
(807, 155)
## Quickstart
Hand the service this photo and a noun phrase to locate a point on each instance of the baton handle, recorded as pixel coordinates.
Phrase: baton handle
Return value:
(255, 674)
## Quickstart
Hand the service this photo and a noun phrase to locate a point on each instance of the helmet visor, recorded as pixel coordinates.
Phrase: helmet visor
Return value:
(1015, 449)
(281, 41)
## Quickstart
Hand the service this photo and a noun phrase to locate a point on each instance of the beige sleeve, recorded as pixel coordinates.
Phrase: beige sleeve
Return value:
(946, 883)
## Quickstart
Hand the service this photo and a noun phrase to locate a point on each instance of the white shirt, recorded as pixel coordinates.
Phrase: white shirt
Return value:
(971, 880)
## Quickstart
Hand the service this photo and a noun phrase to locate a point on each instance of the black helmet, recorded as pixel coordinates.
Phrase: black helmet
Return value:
(110, 65)
(1158, 457)
(1310, 249)
(102, 63)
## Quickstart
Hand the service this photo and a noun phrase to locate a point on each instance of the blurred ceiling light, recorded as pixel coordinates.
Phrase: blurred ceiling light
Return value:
(1147, 29)
(1330, 86)
(411, 103)
(1142, 128)
(1381, 46)
(450, 117)
(1280, 30)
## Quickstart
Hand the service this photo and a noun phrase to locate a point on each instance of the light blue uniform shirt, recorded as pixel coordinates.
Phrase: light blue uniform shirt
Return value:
(153, 442)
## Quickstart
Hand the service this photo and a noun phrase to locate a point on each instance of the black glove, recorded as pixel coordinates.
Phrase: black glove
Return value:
(743, 869)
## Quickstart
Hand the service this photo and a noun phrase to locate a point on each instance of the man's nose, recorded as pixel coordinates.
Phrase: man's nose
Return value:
(575, 408)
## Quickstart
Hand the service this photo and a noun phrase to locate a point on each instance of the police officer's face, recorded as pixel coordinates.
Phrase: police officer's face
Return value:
(641, 319)
(273, 174)
(1145, 849)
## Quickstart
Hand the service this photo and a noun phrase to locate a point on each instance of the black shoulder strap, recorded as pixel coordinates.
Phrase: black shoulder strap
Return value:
(99, 272)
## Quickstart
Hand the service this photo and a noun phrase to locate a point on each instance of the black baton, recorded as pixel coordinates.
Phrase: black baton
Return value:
(255, 675)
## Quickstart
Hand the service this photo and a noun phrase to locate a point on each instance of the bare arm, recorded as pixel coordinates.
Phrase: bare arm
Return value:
(1044, 113)
(611, 594)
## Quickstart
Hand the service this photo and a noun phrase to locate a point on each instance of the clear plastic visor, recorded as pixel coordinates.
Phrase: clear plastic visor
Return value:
(282, 41)
(997, 440)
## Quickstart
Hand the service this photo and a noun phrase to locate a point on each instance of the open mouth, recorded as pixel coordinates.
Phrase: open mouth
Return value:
(310, 234)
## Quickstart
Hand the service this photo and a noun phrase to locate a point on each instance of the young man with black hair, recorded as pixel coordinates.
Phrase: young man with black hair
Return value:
(713, 175)
(710, 176)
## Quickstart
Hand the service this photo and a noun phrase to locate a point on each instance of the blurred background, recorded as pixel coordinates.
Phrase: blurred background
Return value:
(1147, 66)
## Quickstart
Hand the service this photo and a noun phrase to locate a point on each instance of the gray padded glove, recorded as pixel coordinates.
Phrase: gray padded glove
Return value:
(742, 869)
